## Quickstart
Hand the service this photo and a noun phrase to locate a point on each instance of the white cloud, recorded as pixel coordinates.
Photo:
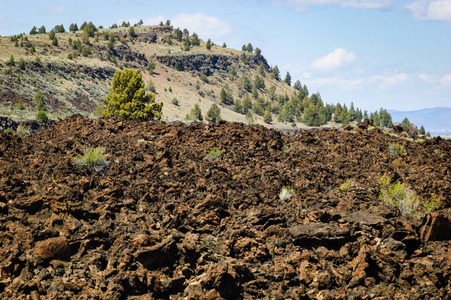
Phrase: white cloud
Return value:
(389, 81)
(431, 9)
(446, 80)
(336, 59)
(302, 5)
(204, 26)
(57, 10)
(427, 77)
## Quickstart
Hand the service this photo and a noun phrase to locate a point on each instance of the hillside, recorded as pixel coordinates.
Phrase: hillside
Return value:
(437, 120)
(75, 75)
(167, 219)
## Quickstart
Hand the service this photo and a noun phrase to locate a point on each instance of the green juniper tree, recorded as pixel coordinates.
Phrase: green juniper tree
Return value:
(288, 78)
(128, 99)
(213, 114)
(39, 100)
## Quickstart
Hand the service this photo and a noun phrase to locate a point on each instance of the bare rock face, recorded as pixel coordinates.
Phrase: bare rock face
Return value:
(164, 222)
(208, 63)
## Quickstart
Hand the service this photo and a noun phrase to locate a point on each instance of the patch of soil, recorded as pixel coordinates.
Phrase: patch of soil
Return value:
(167, 221)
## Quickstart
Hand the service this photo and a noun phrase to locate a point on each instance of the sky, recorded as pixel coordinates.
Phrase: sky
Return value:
(394, 54)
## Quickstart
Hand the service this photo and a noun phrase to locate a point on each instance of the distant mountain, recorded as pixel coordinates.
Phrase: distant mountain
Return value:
(436, 120)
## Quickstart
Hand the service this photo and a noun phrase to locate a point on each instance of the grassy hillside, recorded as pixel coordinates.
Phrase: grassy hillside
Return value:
(75, 78)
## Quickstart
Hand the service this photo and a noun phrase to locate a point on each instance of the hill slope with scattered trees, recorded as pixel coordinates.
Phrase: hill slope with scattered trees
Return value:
(57, 73)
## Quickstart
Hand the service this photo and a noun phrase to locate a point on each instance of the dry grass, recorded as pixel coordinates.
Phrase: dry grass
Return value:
(182, 83)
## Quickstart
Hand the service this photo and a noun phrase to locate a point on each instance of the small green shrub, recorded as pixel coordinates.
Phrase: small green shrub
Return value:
(10, 131)
(396, 149)
(431, 205)
(401, 196)
(398, 162)
(22, 130)
(42, 116)
(175, 101)
(93, 158)
(347, 184)
(286, 193)
(405, 199)
(214, 154)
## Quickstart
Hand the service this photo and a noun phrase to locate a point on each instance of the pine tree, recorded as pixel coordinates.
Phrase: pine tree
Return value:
(249, 48)
(60, 28)
(39, 100)
(195, 40)
(34, 30)
(267, 117)
(128, 100)
(247, 104)
(213, 114)
(238, 107)
(187, 44)
(261, 69)
(196, 113)
(52, 34)
(406, 125)
(245, 84)
(337, 113)
(422, 130)
(178, 34)
(11, 61)
(208, 45)
(297, 85)
(275, 73)
(259, 83)
(352, 113)
(73, 27)
(288, 79)
(42, 30)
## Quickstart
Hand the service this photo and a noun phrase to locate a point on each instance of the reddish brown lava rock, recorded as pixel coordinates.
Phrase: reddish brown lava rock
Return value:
(163, 222)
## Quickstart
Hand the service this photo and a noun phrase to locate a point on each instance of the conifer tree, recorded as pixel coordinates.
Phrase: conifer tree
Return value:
(34, 30)
(267, 117)
(259, 83)
(73, 27)
(297, 85)
(196, 113)
(52, 34)
(213, 114)
(128, 99)
(195, 40)
(249, 48)
(261, 69)
(275, 73)
(406, 125)
(288, 78)
(39, 100)
(422, 130)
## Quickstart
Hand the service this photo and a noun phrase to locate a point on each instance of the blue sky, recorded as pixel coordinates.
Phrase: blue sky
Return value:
(394, 54)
